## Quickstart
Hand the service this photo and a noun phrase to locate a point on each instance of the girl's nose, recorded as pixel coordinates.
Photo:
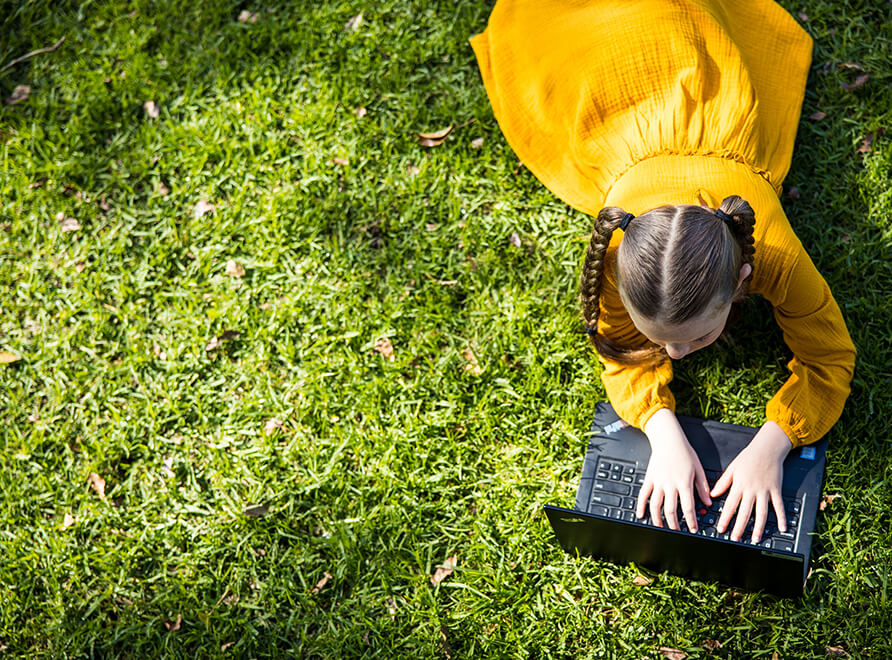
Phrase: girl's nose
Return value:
(677, 351)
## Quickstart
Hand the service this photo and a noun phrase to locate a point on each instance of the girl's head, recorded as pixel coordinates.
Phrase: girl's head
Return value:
(678, 269)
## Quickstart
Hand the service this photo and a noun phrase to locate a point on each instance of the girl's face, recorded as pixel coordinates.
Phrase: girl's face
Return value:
(684, 338)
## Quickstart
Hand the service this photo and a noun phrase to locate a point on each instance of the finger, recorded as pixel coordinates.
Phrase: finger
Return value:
(761, 517)
(687, 509)
(646, 489)
(743, 517)
(722, 484)
(778, 503)
(728, 510)
(656, 501)
(670, 505)
(702, 486)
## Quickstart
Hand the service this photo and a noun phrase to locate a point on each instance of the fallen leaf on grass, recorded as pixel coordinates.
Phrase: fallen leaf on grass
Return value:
(174, 625)
(326, 576)
(354, 22)
(794, 193)
(8, 358)
(391, 607)
(343, 162)
(360, 112)
(68, 520)
(215, 342)
(271, 425)
(39, 183)
(711, 645)
(641, 581)
(818, 116)
(98, 484)
(151, 109)
(226, 645)
(836, 652)
(673, 654)
(775, 656)
(234, 268)
(202, 207)
(434, 139)
(867, 140)
(472, 366)
(476, 144)
(19, 94)
(827, 500)
(514, 239)
(385, 348)
(413, 169)
(162, 189)
(803, 16)
(247, 16)
(858, 82)
(444, 571)
(256, 511)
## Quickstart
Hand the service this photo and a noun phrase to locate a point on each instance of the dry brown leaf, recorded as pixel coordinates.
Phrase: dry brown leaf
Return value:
(173, 626)
(271, 425)
(39, 183)
(226, 645)
(472, 366)
(234, 268)
(256, 511)
(437, 135)
(360, 112)
(391, 606)
(69, 224)
(247, 16)
(445, 570)
(152, 111)
(413, 170)
(476, 144)
(162, 189)
(97, 483)
(775, 656)
(19, 94)
(836, 652)
(818, 116)
(8, 358)
(803, 16)
(514, 239)
(429, 143)
(104, 205)
(858, 82)
(215, 342)
(326, 576)
(354, 22)
(68, 520)
(202, 207)
(827, 500)
(343, 162)
(641, 581)
(711, 645)
(673, 654)
(385, 348)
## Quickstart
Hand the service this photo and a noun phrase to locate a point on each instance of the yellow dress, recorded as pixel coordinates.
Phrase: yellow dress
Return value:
(641, 103)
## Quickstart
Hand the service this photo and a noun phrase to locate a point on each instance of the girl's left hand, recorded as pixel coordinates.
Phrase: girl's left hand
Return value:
(755, 478)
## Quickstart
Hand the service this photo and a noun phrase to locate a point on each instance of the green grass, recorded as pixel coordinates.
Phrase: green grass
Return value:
(381, 470)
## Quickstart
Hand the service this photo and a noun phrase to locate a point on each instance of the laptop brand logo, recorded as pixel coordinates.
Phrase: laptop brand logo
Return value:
(573, 520)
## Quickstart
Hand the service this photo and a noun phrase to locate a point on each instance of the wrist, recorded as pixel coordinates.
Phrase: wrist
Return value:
(772, 439)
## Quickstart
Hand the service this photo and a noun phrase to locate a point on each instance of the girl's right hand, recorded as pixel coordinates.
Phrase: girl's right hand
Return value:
(672, 473)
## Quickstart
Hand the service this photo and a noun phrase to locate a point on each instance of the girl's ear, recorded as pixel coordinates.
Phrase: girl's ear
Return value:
(745, 271)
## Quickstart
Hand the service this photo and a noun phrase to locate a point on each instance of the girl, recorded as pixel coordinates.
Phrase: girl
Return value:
(672, 123)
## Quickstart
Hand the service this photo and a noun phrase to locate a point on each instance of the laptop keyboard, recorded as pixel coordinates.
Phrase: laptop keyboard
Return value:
(615, 495)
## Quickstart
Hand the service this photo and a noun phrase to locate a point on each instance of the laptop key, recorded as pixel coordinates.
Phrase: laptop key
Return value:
(598, 510)
(780, 544)
(603, 474)
(606, 499)
(629, 516)
(610, 487)
(616, 514)
(629, 502)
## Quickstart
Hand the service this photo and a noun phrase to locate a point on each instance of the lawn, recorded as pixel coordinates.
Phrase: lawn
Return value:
(269, 362)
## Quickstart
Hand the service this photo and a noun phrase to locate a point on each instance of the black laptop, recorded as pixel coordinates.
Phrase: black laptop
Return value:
(603, 523)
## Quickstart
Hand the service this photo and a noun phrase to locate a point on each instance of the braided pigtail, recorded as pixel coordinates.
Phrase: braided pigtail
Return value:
(606, 223)
(743, 220)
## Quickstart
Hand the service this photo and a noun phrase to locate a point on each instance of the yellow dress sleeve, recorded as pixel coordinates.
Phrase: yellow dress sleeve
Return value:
(823, 363)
